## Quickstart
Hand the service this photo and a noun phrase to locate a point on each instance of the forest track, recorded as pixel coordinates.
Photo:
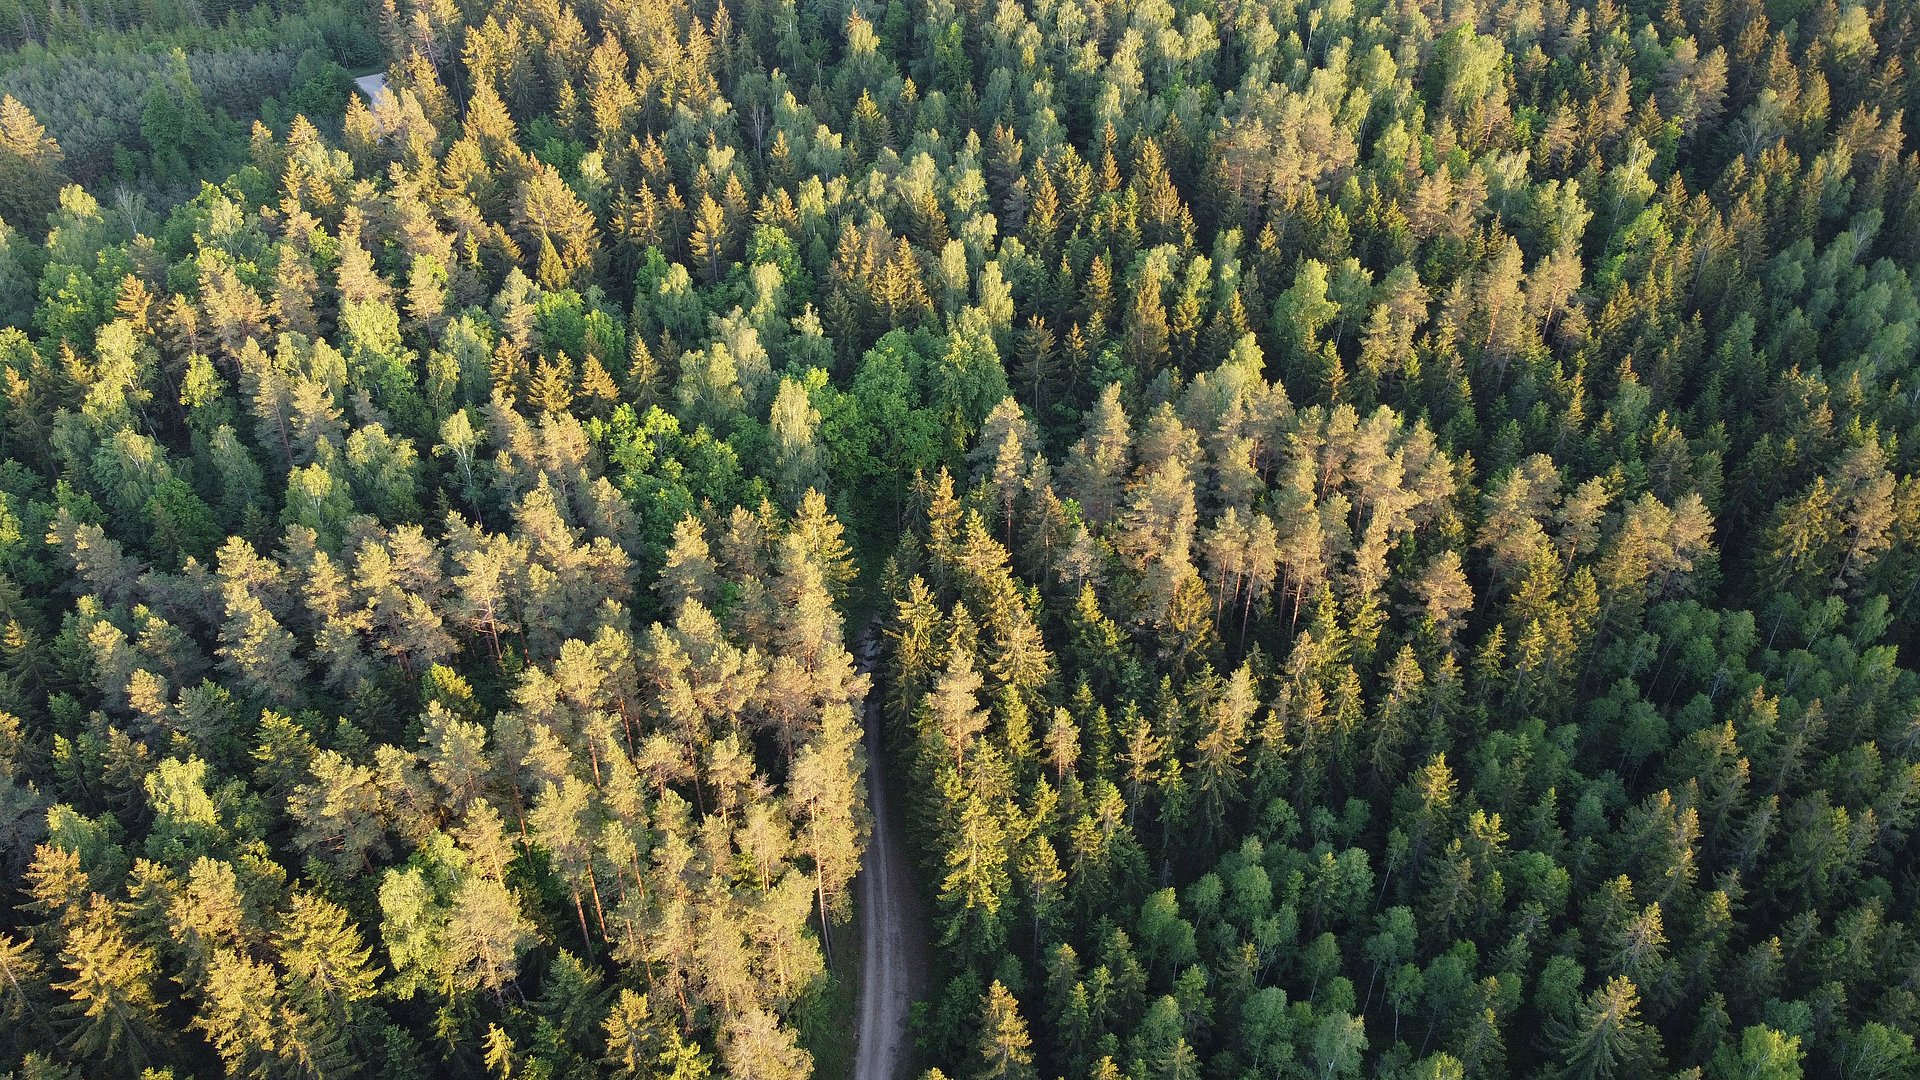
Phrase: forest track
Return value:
(374, 86)
(893, 946)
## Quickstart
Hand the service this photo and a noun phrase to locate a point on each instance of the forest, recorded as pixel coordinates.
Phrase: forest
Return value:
(1364, 538)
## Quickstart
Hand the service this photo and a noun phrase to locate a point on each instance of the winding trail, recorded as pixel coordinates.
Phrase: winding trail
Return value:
(893, 948)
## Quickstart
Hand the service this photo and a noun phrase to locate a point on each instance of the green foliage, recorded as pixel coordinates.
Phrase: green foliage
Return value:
(107, 77)
(1394, 539)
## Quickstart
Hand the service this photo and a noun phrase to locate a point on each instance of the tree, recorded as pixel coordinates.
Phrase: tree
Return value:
(1605, 1036)
(21, 976)
(562, 823)
(328, 968)
(251, 1026)
(1036, 365)
(1639, 950)
(1004, 1044)
(798, 462)
(30, 168)
(450, 927)
(689, 573)
(1299, 315)
(826, 791)
(488, 934)
(1876, 1051)
(340, 811)
(110, 989)
(1146, 346)
(643, 1045)
(1040, 873)
(1764, 1054)
(258, 652)
(558, 228)
(1444, 595)
(709, 240)
(1338, 1042)
(758, 1047)
(954, 712)
(175, 115)
(977, 878)
(1221, 744)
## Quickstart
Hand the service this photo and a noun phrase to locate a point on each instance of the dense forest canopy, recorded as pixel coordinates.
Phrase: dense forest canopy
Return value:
(1391, 529)
(149, 99)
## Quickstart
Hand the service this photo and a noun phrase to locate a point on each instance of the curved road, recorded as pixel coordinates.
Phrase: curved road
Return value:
(892, 947)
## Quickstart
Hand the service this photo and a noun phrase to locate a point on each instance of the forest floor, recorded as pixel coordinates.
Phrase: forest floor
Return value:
(893, 941)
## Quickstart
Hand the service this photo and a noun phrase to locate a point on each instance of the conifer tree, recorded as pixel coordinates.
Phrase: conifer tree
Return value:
(112, 1007)
(1004, 1043)
(1605, 1036)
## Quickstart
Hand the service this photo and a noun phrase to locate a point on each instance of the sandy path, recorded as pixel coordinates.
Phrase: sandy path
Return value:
(374, 86)
(893, 949)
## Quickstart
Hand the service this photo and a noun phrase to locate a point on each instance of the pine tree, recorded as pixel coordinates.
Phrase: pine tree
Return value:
(757, 1047)
(825, 788)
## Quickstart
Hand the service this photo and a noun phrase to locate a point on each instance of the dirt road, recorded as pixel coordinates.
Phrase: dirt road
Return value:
(893, 947)
(374, 86)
